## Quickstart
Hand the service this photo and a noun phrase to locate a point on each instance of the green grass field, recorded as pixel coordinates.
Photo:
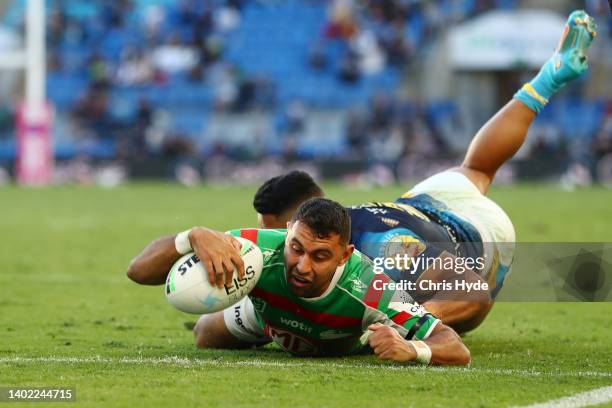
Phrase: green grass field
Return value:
(70, 317)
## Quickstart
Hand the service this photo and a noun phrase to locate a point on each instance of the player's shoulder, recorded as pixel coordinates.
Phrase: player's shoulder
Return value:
(358, 274)
(264, 238)
(271, 242)
(390, 209)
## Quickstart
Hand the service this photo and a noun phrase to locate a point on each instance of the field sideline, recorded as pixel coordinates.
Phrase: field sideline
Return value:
(70, 317)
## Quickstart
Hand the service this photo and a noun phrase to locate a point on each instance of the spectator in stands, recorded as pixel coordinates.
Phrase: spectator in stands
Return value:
(341, 23)
(113, 12)
(371, 59)
(91, 114)
(224, 79)
(210, 49)
(174, 56)
(293, 120)
(185, 14)
(134, 144)
(135, 68)
(56, 26)
(602, 143)
(245, 99)
(317, 59)
(99, 71)
(393, 41)
(155, 17)
(381, 113)
(356, 132)
(226, 18)
(349, 68)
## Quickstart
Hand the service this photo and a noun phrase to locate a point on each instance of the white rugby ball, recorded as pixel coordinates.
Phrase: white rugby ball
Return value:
(188, 290)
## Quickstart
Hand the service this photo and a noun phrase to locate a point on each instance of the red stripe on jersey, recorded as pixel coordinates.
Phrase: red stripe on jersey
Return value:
(325, 319)
(401, 318)
(373, 295)
(250, 234)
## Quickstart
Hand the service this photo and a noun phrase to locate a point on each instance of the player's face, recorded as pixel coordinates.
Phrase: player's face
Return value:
(311, 261)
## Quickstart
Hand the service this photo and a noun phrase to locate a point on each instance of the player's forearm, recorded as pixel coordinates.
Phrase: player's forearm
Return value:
(152, 265)
(447, 348)
(463, 299)
(461, 315)
(499, 139)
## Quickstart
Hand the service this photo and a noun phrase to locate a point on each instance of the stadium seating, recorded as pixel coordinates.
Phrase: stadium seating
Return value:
(271, 41)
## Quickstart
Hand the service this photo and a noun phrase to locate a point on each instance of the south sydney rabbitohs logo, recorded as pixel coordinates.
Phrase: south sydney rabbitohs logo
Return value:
(267, 254)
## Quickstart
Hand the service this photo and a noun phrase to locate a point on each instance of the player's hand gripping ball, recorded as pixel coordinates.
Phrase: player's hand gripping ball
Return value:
(188, 290)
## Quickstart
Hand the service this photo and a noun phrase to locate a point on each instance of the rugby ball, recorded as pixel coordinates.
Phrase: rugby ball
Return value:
(188, 290)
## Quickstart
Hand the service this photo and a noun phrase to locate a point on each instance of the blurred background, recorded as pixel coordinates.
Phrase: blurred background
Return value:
(366, 91)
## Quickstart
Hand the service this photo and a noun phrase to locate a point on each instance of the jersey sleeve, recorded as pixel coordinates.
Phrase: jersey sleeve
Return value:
(410, 319)
(263, 238)
(385, 302)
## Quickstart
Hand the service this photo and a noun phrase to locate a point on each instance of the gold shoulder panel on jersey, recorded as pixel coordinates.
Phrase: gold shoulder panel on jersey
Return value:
(397, 206)
(409, 209)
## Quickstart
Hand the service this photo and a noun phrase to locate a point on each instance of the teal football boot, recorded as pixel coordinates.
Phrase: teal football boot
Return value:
(567, 63)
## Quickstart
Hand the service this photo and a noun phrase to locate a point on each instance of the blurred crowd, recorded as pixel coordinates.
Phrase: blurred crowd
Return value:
(185, 42)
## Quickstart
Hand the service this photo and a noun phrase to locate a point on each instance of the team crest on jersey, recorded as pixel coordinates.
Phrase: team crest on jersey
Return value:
(404, 245)
(267, 254)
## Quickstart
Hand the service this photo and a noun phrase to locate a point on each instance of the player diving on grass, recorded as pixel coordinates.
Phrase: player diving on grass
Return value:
(448, 215)
(316, 296)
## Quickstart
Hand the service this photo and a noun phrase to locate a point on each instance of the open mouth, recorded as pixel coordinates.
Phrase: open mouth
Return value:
(298, 281)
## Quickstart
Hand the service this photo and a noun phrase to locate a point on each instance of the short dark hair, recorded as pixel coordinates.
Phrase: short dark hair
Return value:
(324, 217)
(285, 192)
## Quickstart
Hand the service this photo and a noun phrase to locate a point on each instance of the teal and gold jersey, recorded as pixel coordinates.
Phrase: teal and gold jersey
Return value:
(333, 323)
(416, 226)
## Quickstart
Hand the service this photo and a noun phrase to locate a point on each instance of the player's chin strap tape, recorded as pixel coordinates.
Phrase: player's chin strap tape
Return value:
(415, 327)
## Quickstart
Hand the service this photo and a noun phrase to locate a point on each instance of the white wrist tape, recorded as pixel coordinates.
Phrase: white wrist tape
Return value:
(181, 242)
(422, 350)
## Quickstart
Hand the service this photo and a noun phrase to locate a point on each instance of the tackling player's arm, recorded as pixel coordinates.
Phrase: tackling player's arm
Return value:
(457, 307)
(218, 252)
(151, 266)
(444, 346)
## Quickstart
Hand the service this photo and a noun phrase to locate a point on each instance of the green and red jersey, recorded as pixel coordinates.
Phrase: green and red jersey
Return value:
(334, 323)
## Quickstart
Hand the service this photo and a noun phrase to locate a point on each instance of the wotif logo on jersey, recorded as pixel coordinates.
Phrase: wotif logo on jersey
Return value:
(296, 324)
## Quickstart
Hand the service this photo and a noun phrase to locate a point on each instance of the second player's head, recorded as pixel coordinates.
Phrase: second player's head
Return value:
(317, 244)
(278, 198)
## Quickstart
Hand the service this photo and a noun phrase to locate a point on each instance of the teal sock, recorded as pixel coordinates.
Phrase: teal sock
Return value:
(568, 62)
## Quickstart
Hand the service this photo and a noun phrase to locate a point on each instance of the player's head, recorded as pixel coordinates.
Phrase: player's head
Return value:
(277, 199)
(317, 244)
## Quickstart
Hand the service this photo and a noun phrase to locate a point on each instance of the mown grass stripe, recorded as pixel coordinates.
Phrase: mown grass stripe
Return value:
(187, 362)
(583, 399)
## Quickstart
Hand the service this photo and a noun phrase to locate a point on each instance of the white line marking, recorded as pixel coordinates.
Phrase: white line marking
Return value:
(583, 399)
(188, 362)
